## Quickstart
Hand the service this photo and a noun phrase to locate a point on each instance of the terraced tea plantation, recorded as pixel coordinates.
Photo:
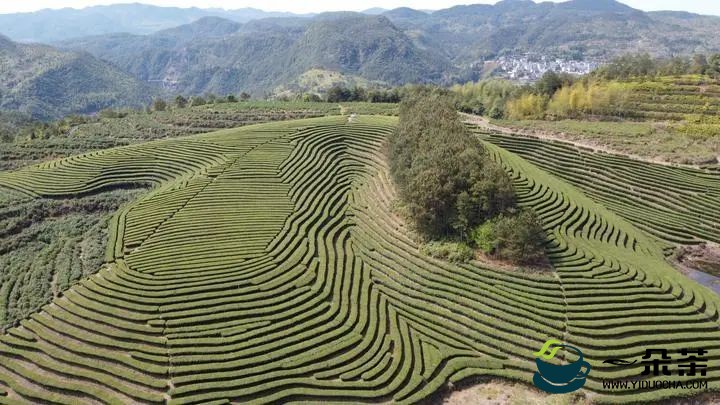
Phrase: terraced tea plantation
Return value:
(674, 97)
(134, 127)
(265, 265)
(664, 118)
(678, 205)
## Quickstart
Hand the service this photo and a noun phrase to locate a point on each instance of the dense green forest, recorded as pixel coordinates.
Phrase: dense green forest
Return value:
(450, 187)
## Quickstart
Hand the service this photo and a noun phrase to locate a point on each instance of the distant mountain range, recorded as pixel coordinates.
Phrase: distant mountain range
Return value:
(51, 25)
(192, 51)
(575, 29)
(46, 83)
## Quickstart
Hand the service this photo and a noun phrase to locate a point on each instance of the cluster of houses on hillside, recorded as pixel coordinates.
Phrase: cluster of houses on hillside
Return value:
(530, 68)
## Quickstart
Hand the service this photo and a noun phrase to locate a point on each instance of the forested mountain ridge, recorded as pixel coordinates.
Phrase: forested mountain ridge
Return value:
(225, 58)
(46, 83)
(576, 28)
(397, 46)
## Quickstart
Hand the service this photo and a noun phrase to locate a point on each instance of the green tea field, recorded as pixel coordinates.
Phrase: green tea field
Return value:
(266, 264)
(664, 118)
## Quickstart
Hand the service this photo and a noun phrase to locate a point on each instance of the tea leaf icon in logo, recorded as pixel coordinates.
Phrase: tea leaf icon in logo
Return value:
(545, 351)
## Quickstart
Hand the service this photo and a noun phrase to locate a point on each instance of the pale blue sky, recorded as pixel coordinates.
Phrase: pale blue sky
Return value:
(10, 6)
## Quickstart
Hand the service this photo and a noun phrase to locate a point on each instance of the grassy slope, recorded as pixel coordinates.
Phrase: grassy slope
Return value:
(652, 140)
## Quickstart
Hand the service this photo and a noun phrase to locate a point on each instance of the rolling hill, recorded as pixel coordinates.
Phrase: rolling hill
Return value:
(306, 287)
(72, 137)
(46, 83)
(319, 81)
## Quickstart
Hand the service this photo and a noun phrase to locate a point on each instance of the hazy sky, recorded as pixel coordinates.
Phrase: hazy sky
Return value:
(11, 6)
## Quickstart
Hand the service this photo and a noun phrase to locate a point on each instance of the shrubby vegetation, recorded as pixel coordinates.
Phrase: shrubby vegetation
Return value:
(450, 251)
(518, 237)
(447, 182)
(46, 245)
(699, 126)
(11, 123)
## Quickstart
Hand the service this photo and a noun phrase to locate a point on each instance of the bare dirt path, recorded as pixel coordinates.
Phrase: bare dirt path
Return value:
(505, 392)
(483, 122)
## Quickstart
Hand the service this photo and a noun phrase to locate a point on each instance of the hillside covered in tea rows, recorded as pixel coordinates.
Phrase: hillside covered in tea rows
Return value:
(266, 264)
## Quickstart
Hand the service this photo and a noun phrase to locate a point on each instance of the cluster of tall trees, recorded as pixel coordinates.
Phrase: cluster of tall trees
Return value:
(335, 94)
(643, 65)
(555, 95)
(340, 93)
(181, 101)
(574, 100)
(446, 180)
(47, 130)
(486, 97)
